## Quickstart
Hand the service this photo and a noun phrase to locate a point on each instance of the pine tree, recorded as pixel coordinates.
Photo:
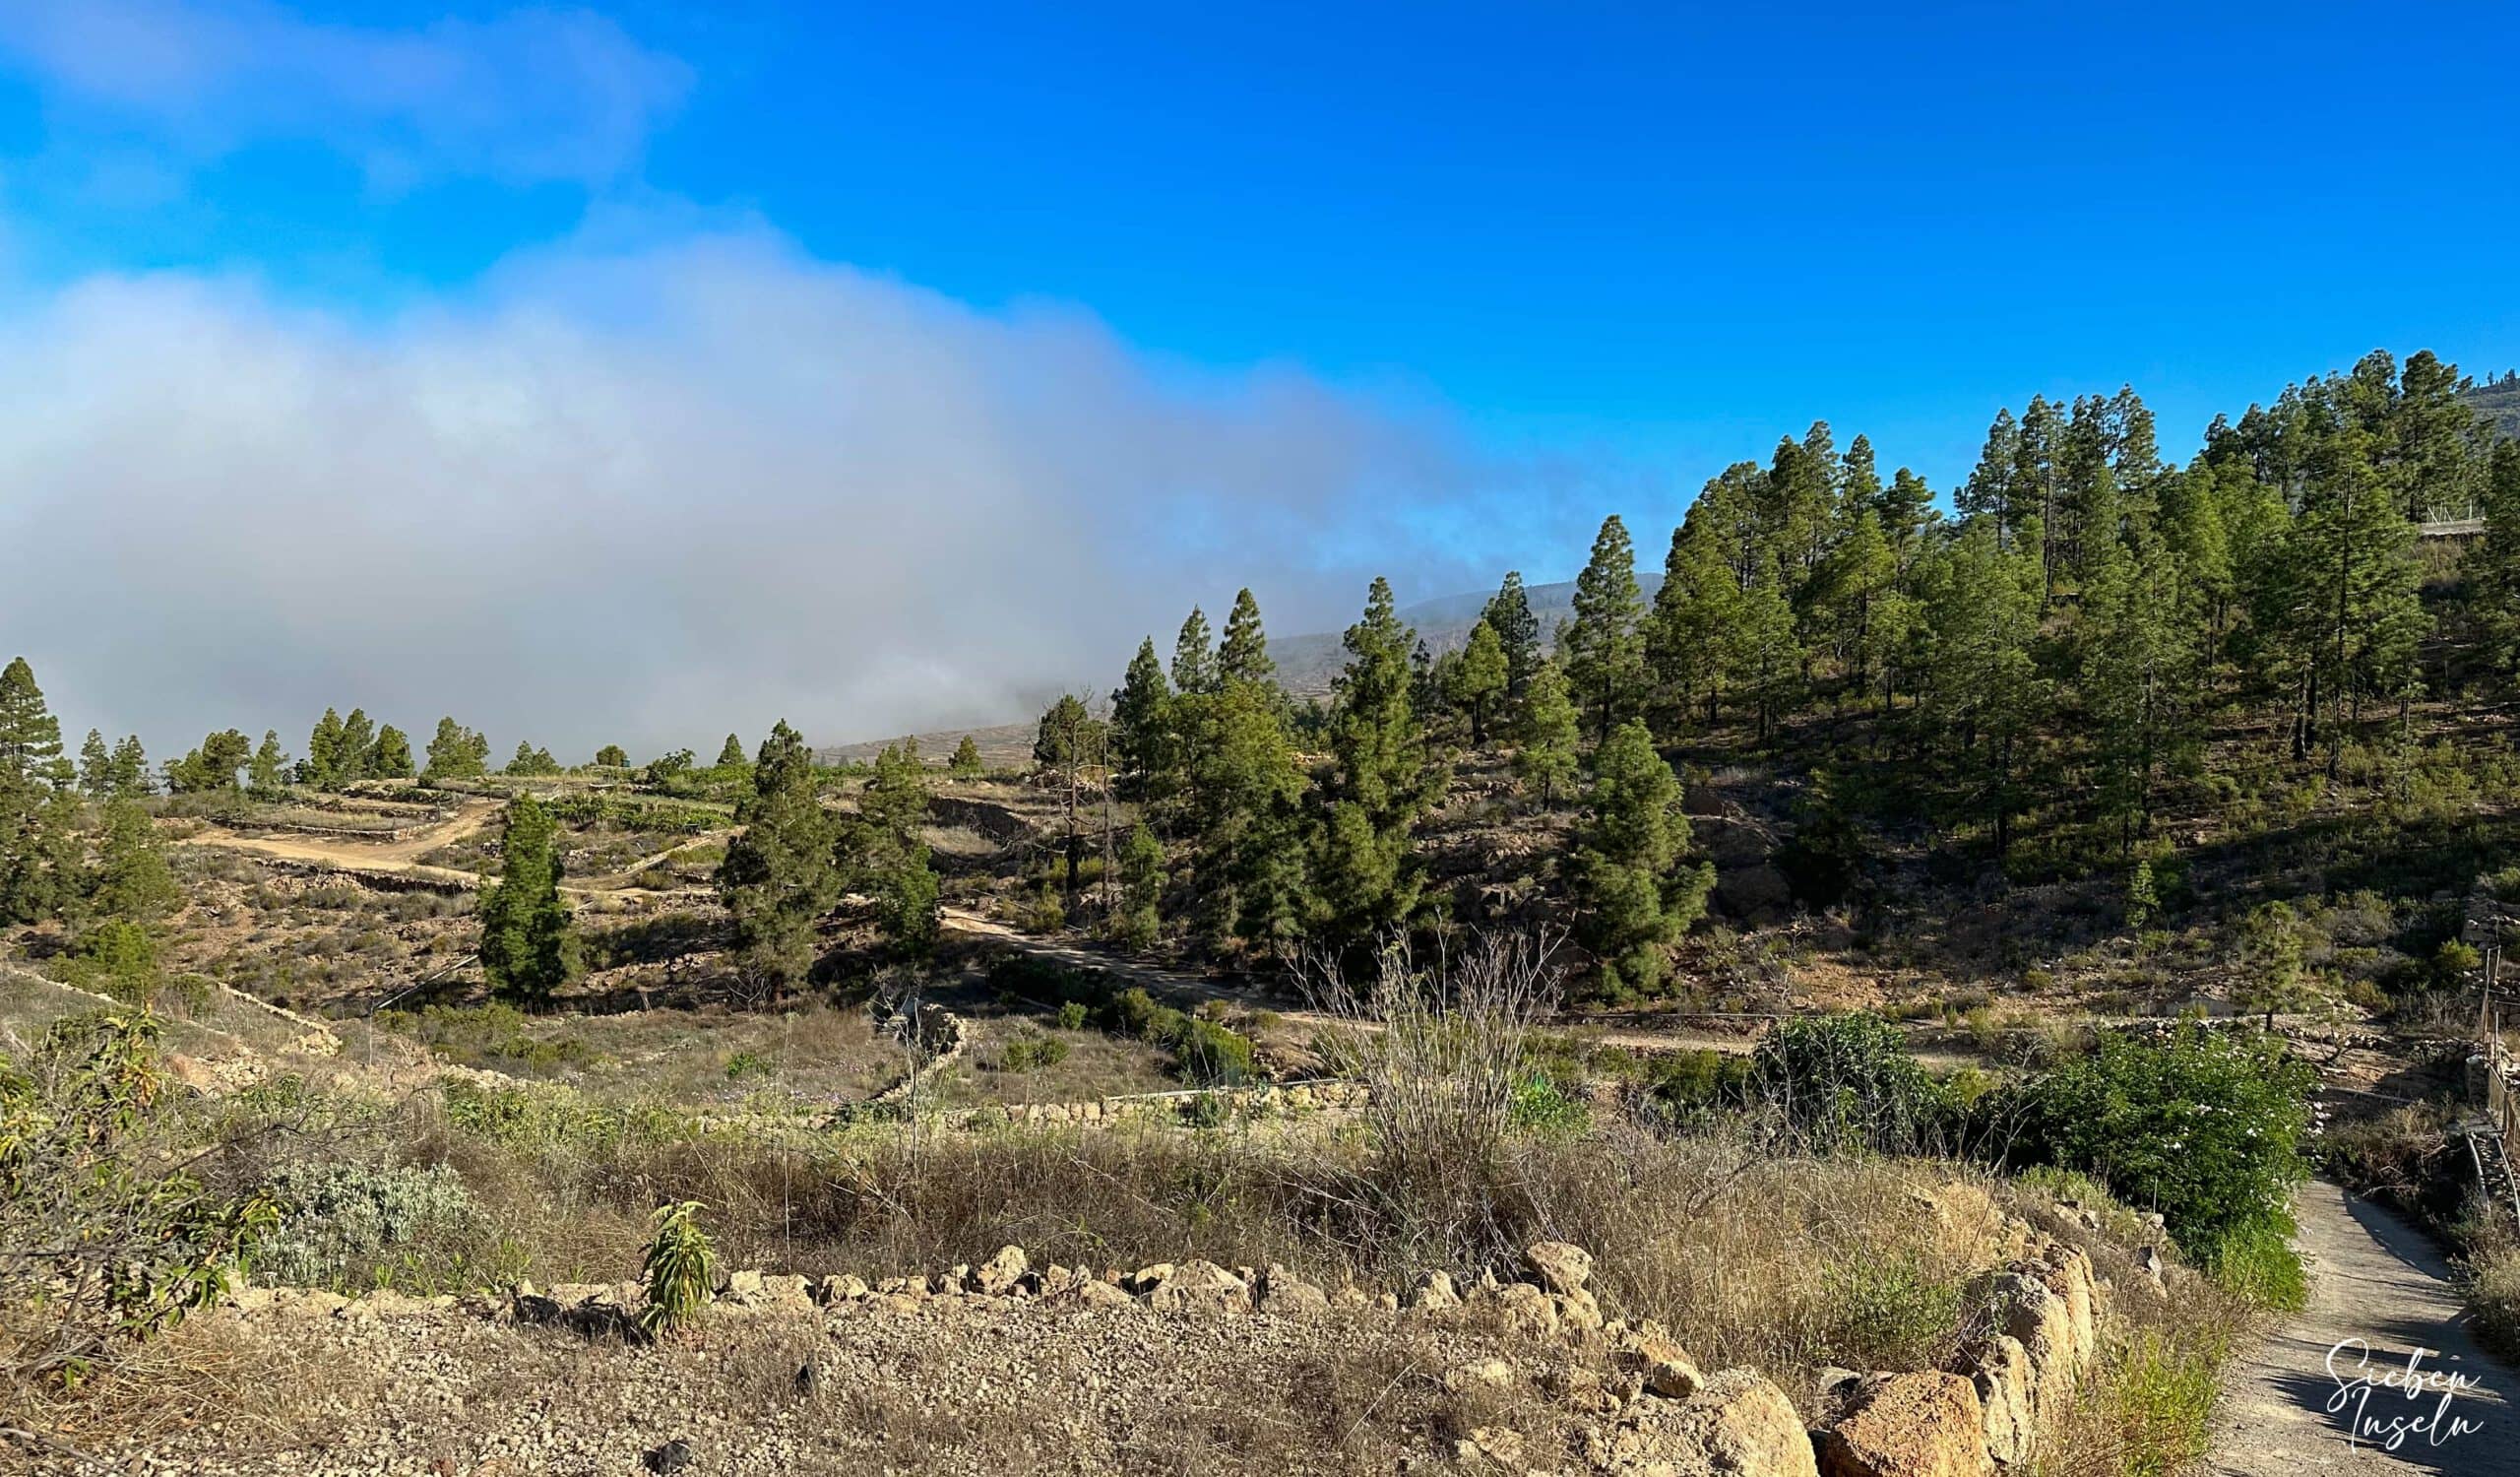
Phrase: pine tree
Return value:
(888, 857)
(213, 766)
(531, 761)
(529, 950)
(1605, 643)
(322, 769)
(1244, 656)
(1478, 680)
(95, 767)
(356, 751)
(266, 773)
(2339, 600)
(1240, 799)
(133, 884)
(1634, 891)
(2493, 567)
(1141, 724)
(1767, 653)
(1194, 656)
(613, 757)
(2137, 674)
(31, 758)
(1380, 781)
(1066, 741)
(1509, 614)
(1141, 920)
(779, 878)
(966, 764)
(1905, 510)
(1689, 639)
(390, 757)
(1550, 729)
(131, 768)
(731, 755)
(1983, 684)
(1857, 575)
(457, 754)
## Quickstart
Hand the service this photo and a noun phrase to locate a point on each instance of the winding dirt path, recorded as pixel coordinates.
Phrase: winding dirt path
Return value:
(2374, 1279)
(1205, 988)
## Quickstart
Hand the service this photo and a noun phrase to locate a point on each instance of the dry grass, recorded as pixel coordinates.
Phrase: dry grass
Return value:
(211, 1371)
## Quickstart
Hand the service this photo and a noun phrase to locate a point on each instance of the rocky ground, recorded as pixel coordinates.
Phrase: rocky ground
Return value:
(1005, 1368)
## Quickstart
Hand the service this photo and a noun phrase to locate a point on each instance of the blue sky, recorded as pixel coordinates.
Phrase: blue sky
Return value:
(1674, 232)
(1446, 283)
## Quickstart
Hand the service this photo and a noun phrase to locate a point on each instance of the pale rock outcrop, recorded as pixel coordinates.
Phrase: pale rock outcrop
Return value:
(1559, 1266)
(1926, 1424)
(1737, 1425)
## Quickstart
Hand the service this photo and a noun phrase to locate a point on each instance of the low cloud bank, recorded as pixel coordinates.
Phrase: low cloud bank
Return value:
(647, 497)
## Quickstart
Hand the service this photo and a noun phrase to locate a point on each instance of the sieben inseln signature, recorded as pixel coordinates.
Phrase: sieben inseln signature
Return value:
(2413, 1401)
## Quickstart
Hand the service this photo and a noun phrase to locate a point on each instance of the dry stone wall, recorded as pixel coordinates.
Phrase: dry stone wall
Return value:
(1641, 1404)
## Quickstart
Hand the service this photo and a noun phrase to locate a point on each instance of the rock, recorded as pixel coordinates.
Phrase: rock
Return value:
(2007, 1390)
(1433, 1293)
(841, 1289)
(1201, 1287)
(1559, 1266)
(1928, 1424)
(1737, 1425)
(1002, 1273)
(1146, 1279)
(1662, 1367)
(1493, 1444)
(2148, 1260)
(1094, 1293)
(742, 1286)
(1281, 1291)
(782, 1291)
(672, 1456)
(1523, 1310)
(1578, 1311)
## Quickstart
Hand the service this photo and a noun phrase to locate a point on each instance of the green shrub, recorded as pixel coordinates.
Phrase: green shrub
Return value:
(2255, 1262)
(1208, 1110)
(1071, 1015)
(344, 1225)
(1889, 1312)
(1847, 1082)
(2207, 1127)
(1026, 1051)
(745, 1065)
(1211, 1053)
(2163, 1398)
(1542, 1105)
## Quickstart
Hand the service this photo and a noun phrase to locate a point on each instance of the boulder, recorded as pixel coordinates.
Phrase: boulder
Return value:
(1737, 1425)
(841, 1289)
(1523, 1310)
(2007, 1390)
(1661, 1366)
(1928, 1424)
(1433, 1293)
(1002, 1274)
(1559, 1266)
(1200, 1287)
(1281, 1291)
(1146, 1279)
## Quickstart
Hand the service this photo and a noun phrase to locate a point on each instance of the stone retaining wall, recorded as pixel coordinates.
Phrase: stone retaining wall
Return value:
(1641, 1403)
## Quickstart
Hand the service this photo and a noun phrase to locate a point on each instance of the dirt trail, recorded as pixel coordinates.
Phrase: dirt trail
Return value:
(1201, 986)
(402, 855)
(2375, 1278)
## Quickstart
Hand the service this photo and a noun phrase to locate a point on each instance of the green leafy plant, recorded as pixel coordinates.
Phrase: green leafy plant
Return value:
(679, 1270)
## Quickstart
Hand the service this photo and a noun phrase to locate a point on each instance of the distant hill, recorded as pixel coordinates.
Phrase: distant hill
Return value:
(1306, 664)
(2501, 401)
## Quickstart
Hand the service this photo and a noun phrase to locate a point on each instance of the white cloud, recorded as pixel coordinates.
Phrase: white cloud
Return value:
(651, 495)
(528, 96)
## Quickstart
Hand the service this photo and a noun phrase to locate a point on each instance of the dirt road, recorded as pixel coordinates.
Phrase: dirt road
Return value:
(402, 855)
(1200, 986)
(2376, 1284)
